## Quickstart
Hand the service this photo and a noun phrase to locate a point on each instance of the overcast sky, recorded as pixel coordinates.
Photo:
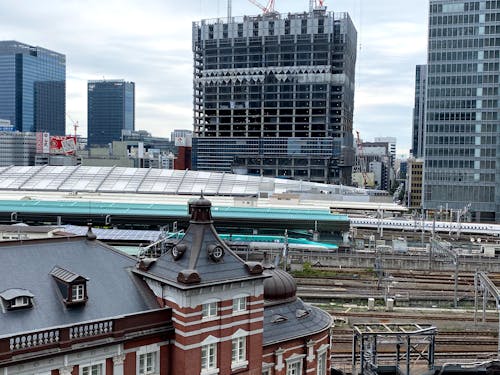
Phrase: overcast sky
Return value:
(149, 42)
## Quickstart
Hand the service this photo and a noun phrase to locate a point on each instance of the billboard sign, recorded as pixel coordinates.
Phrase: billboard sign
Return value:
(63, 144)
(42, 143)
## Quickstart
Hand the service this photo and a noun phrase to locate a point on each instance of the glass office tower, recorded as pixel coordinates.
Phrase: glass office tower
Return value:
(274, 95)
(417, 149)
(111, 109)
(32, 87)
(461, 140)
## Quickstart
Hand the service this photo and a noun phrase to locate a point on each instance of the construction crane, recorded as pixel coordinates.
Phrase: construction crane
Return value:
(268, 9)
(316, 5)
(74, 123)
(361, 159)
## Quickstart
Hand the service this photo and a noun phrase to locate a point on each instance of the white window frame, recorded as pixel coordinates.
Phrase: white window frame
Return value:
(154, 363)
(321, 359)
(210, 310)
(89, 366)
(240, 304)
(239, 353)
(209, 365)
(20, 301)
(291, 366)
(77, 292)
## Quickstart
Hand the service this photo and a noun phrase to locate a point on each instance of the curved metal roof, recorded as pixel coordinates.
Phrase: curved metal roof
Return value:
(154, 181)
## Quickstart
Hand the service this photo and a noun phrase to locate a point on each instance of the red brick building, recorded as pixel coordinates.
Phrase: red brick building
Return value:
(76, 306)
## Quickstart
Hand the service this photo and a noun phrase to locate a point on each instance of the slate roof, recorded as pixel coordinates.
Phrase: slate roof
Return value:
(14, 293)
(64, 275)
(16, 228)
(293, 326)
(199, 237)
(113, 290)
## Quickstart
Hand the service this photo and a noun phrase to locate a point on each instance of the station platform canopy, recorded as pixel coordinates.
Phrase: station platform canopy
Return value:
(157, 181)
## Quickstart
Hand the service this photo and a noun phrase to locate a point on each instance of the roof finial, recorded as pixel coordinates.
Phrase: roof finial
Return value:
(90, 235)
(202, 194)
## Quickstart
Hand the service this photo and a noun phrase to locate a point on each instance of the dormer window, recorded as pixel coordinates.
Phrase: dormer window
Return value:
(73, 287)
(14, 299)
(77, 292)
(20, 302)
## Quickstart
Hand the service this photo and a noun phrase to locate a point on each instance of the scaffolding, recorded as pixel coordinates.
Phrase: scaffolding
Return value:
(412, 343)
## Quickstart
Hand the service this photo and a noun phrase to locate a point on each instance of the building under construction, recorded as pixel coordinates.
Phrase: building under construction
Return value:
(274, 94)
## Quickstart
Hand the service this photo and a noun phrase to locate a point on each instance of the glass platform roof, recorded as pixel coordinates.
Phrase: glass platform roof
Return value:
(154, 181)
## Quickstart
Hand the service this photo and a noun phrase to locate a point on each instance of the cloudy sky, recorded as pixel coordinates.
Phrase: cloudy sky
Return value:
(149, 42)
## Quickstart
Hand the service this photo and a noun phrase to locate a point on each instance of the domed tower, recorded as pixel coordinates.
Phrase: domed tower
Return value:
(216, 300)
(296, 335)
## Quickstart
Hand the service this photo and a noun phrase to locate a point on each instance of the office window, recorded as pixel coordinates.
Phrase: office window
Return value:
(239, 304)
(294, 368)
(239, 350)
(147, 363)
(209, 310)
(92, 370)
(208, 357)
(322, 363)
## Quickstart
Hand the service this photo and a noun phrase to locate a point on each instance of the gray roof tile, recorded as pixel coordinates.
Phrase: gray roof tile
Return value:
(64, 275)
(199, 238)
(295, 323)
(14, 293)
(113, 290)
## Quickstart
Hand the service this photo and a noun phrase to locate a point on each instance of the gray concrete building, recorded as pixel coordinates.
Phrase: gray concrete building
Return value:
(461, 133)
(17, 148)
(274, 95)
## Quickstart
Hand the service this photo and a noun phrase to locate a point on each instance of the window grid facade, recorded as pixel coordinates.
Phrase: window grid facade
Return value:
(419, 111)
(280, 77)
(111, 109)
(461, 128)
(32, 88)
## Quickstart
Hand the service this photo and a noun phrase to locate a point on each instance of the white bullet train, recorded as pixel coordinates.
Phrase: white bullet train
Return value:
(440, 226)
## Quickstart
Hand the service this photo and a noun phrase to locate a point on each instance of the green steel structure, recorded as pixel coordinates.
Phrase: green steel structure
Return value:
(154, 215)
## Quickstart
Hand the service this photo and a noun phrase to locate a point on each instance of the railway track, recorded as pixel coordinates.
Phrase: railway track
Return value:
(408, 288)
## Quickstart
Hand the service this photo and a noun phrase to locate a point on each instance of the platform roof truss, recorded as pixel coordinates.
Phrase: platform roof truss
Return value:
(413, 343)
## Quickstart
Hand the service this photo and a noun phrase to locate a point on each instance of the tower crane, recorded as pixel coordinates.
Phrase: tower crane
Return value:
(74, 123)
(268, 9)
(316, 5)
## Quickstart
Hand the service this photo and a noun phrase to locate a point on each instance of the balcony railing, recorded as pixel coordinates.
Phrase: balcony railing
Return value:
(64, 337)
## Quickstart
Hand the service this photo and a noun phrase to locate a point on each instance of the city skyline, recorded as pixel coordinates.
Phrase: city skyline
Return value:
(152, 47)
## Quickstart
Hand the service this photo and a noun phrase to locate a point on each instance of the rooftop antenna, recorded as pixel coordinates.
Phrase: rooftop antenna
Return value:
(229, 10)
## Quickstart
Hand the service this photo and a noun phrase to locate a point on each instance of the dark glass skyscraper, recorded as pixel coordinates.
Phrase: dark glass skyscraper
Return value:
(32, 87)
(417, 149)
(274, 95)
(111, 109)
